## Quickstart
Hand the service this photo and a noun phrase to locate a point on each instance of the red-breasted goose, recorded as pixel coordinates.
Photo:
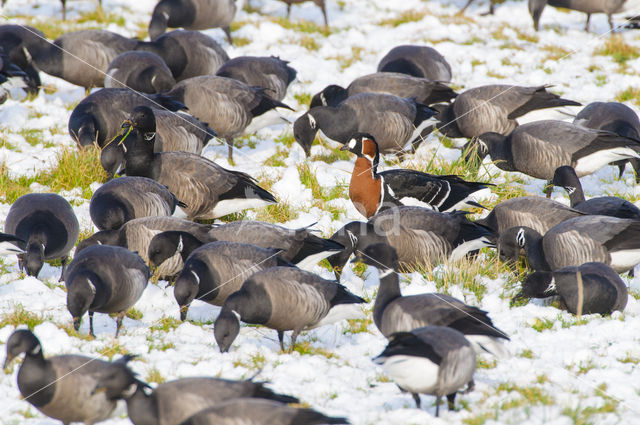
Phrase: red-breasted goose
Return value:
(269, 72)
(192, 15)
(208, 190)
(419, 61)
(393, 121)
(49, 226)
(284, 299)
(603, 291)
(372, 191)
(423, 90)
(608, 7)
(10, 244)
(13, 39)
(104, 279)
(140, 71)
(393, 312)
(434, 360)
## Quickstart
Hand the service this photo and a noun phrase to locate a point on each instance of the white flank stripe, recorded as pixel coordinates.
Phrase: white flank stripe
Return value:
(593, 162)
(625, 260)
(229, 206)
(308, 263)
(465, 247)
(341, 312)
(483, 344)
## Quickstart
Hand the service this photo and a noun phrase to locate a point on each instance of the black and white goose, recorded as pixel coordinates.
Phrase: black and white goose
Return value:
(126, 198)
(493, 108)
(14, 82)
(192, 15)
(613, 206)
(269, 72)
(60, 387)
(140, 71)
(423, 90)
(49, 226)
(603, 291)
(104, 279)
(10, 244)
(393, 121)
(420, 236)
(13, 40)
(610, 240)
(372, 191)
(434, 360)
(285, 299)
(418, 61)
(208, 190)
(394, 313)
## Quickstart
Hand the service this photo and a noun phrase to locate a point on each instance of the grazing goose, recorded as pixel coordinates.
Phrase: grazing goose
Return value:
(393, 121)
(613, 206)
(251, 411)
(421, 236)
(320, 3)
(216, 270)
(172, 402)
(492, 4)
(402, 85)
(208, 190)
(537, 212)
(284, 298)
(98, 117)
(126, 198)
(49, 226)
(60, 387)
(434, 360)
(192, 15)
(104, 279)
(372, 192)
(493, 108)
(187, 53)
(230, 106)
(608, 7)
(13, 40)
(10, 244)
(538, 148)
(610, 240)
(140, 71)
(419, 61)
(394, 313)
(603, 290)
(271, 73)
(14, 82)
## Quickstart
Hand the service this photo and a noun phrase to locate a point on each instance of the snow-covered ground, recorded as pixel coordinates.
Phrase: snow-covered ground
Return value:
(560, 372)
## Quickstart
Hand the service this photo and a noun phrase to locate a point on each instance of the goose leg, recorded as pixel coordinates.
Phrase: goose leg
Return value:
(461, 11)
(119, 322)
(230, 152)
(323, 7)
(586, 26)
(438, 406)
(91, 324)
(281, 339)
(64, 10)
(451, 398)
(294, 336)
(548, 189)
(416, 397)
(64, 261)
(470, 386)
(288, 11)
(610, 20)
(227, 31)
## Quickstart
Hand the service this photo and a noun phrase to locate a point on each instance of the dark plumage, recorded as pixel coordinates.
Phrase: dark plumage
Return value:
(49, 226)
(419, 61)
(10, 244)
(284, 298)
(14, 82)
(269, 72)
(608, 7)
(192, 15)
(140, 71)
(320, 3)
(13, 40)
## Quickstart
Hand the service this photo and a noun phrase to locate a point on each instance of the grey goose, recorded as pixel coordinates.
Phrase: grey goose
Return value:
(423, 90)
(192, 15)
(208, 190)
(13, 39)
(418, 61)
(320, 3)
(14, 82)
(613, 206)
(172, 402)
(60, 387)
(610, 240)
(284, 299)
(126, 198)
(434, 360)
(394, 313)
(230, 106)
(493, 108)
(10, 244)
(269, 72)
(104, 279)
(140, 71)
(393, 121)
(420, 236)
(603, 290)
(47, 224)
(608, 7)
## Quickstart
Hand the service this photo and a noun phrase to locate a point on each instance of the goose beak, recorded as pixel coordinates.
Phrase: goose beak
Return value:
(127, 123)
(76, 323)
(7, 361)
(344, 148)
(183, 312)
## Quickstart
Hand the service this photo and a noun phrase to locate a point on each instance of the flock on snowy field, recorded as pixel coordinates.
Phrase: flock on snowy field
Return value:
(176, 248)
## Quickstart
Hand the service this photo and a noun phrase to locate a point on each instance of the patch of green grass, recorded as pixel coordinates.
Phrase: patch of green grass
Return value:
(134, 314)
(256, 361)
(301, 26)
(527, 354)
(21, 316)
(277, 213)
(286, 139)
(69, 330)
(165, 324)
(101, 16)
(309, 43)
(631, 94)
(277, 159)
(154, 375)
(619, 50)
(346, 61)
(333, 156)
(543, 324)
(304, 348)
(27, 413)
(529, 396)
(482, 363)
(554, 53)
(357, 326)
(4, 142)
(303, 98)
(241, 41)
(404, 17)
(629, 358)
(111, 350)
(32, 136)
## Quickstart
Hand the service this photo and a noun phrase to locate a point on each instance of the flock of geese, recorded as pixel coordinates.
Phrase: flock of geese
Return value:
(164, 100)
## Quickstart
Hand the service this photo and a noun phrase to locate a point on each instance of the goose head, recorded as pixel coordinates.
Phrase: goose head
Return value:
(118, 381)
(143, 121)
(159, 21)
(81, 292)
(83, 128)
(103, 237)
(535, 9)
(33, 258)
(226, 328)
(186, 287)
(305, 129)
(566, 178)
(112, 158)
(539, 284)
(515, 239)
(331, 95)
(363, 145)
(22, 341)
(348, 237)
(379, 255)
(167, 244)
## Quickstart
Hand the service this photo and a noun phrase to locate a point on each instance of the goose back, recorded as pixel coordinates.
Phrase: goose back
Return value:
(418, 61)
(423, 90)
(271, 73)
(140, 71)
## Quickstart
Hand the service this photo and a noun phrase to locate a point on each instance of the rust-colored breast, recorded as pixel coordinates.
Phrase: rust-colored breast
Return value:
(364, 189)
(369, 148)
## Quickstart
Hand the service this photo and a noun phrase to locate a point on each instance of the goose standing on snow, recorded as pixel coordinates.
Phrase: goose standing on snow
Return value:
(284, 298)
(603, 290)
(433, 360)
(104, 279)
(13, 40)
(372, 192)
(608, 7)
(60, 387)
(140, 71)
(393, 312)
(423, 90)
(492, 4)
(49, 226)
(393, 121)
(271, 73)
(419, 61)
(320, 3)
(192, 15)
(208, 190)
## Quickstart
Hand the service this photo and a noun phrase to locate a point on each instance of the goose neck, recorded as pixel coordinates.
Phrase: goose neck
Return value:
(388, 291)
(535, 251)
(142, 408)
(337, 123)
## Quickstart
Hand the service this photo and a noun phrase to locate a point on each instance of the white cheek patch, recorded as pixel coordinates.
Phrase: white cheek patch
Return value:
(484, 149)
(165, 15)
(323, 99)
(570, 189)
(520, 238)
(312, 121)
(235, 313)
(180, 245)
(353, 238)
(27, 55)
(552, 287)
(92, 287)
(130, 390)
(36, 350)
(196, 276)
(352, 143)
(150, 135)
